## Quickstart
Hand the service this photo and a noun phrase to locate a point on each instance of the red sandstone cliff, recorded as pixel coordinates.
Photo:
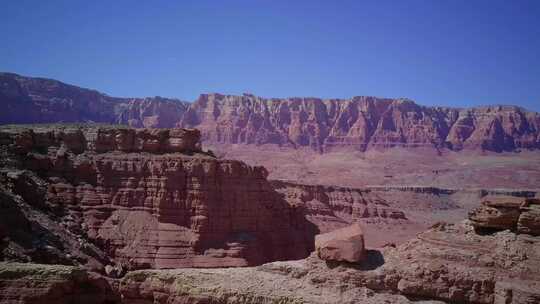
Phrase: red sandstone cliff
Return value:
(360, 123)
(332, 207)
(152, 197)
(40, 100)
(323, 125)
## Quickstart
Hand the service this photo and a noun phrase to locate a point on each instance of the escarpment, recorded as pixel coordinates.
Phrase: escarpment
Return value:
(331, 207)
(40, 100)
(151, 198)
(323, 125)
(360, 123)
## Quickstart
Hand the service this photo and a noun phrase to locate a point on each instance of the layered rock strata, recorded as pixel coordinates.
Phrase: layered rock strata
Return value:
(358, 123)
(446, 264)
(153, 198)
(332, 207)
(499, 213)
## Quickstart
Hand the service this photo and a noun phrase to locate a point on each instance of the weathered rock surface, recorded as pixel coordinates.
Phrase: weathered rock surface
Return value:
(446, 264)
(395, 214)
(359, 123)
(513, 213)
(334, 207)
(453, 263)
(40, 100)
(153, 198)
(30, 232)
(342, 245)
(323, 125)
(291, 282)
(55, 284)
(449, 263)
(153, 112)
(529, 219)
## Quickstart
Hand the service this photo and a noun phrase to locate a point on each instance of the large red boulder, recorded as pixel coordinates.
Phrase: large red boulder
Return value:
(344, 245)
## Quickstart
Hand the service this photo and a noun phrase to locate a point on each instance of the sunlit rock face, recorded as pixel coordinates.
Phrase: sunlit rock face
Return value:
(359, 123)
(323, 125)
(151, 198)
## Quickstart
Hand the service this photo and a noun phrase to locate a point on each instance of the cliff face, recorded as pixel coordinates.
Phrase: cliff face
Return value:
(39, 100)
(331, 207)
(360, 123)
(323, 125)
(152, 197)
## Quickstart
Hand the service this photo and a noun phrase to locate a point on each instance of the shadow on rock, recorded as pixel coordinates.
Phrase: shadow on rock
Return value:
(374, 259)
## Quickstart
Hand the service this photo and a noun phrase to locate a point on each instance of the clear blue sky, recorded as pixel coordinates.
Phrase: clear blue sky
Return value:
(437, 52)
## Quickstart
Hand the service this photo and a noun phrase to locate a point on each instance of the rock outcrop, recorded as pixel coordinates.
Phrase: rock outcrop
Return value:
(291, 282)
(449, 263)
(513, 213)
(152, 197)
(52, 284)
(358, 123)
(341, 245)
(334, 207)
(446, 264)
(455, 264)
(156, 112)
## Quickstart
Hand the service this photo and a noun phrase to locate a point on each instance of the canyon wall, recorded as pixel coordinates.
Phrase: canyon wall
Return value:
(152, 197)
(323, 125)
(332, 207)
(360, 123)
(40, 100)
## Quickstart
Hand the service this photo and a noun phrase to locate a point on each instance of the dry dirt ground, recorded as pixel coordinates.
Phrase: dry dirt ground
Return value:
(414, 167)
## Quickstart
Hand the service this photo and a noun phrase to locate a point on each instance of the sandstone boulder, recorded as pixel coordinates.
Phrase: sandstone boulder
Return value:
(529, 219)
(514, 213)
(345, 244)
(497, 213)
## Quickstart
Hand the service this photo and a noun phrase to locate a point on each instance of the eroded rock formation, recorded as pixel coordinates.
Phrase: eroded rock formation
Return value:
(152, 197)
(446, 264)
(358, 123)
(40, 100)
(449, 263)
(333, 207)
(513, 213)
